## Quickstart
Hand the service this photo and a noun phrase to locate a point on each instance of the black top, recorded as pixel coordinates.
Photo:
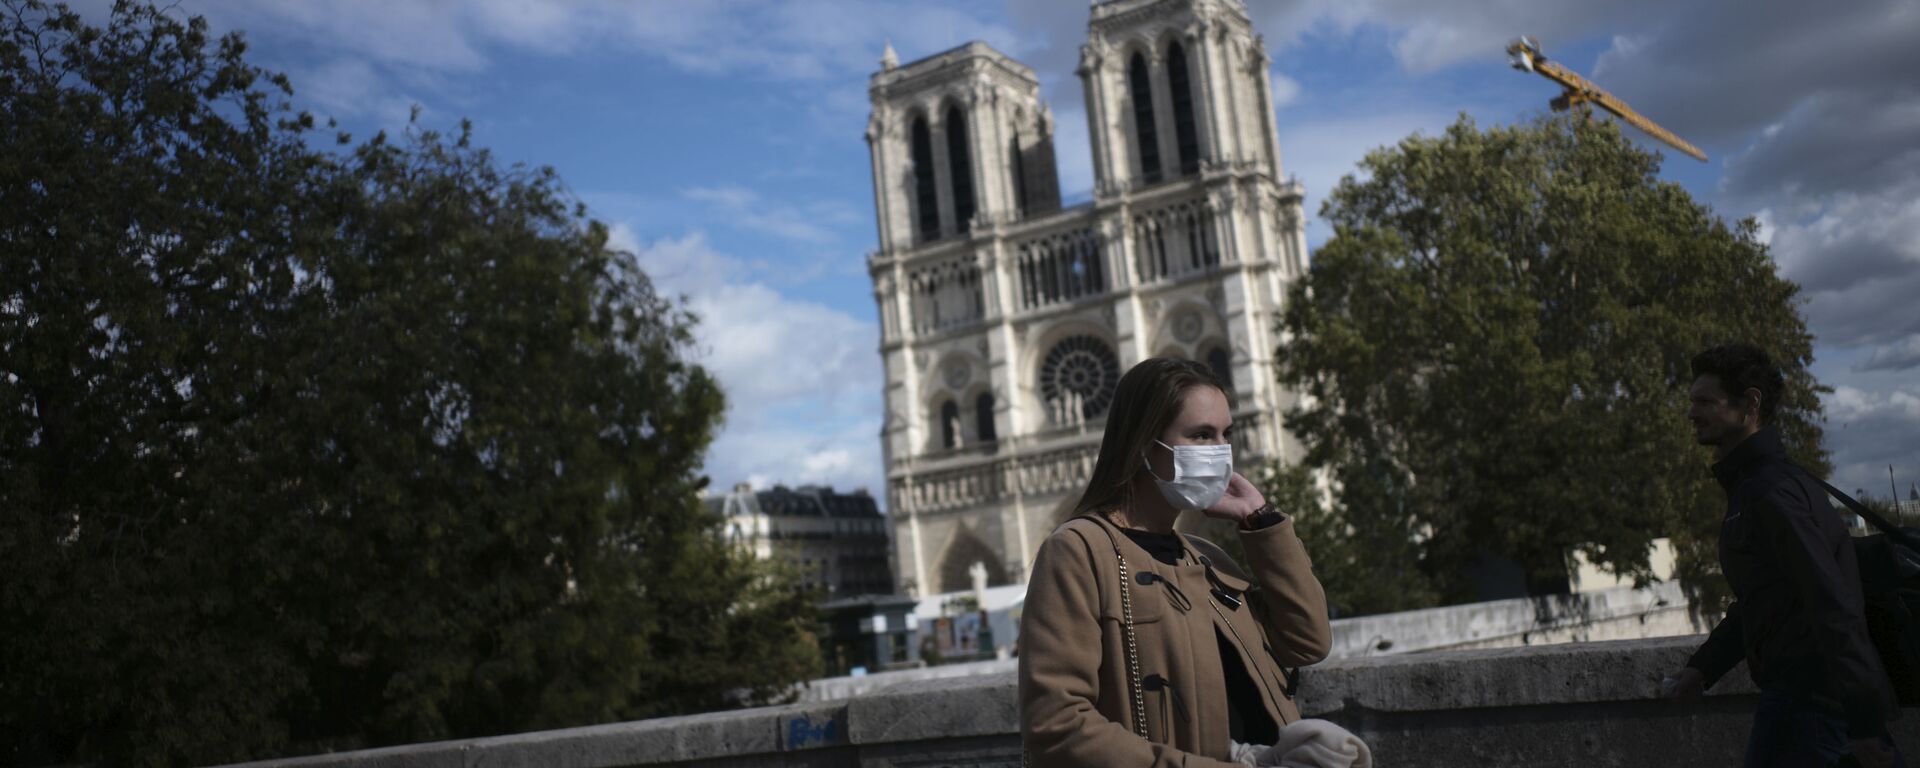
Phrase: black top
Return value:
(1247, 719)
(1798, 618)
(1165, 547)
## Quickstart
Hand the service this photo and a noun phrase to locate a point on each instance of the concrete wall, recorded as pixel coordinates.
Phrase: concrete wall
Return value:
(1586, 704)
(1659, 610)
(1613, 614)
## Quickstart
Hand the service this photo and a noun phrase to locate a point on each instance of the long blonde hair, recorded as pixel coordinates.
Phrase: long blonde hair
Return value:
(1146, 400)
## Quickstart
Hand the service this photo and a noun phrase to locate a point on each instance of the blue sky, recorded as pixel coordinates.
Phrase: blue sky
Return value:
(722, 140)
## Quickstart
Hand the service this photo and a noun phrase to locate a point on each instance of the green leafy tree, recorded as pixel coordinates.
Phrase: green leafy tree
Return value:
(310, 447)
(1494, 347)
(1364, 570)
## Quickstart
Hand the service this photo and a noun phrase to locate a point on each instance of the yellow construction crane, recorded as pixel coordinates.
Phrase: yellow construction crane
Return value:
(1526, 57)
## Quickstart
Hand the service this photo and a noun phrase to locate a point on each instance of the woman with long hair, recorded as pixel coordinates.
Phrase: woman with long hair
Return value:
(1140, 646)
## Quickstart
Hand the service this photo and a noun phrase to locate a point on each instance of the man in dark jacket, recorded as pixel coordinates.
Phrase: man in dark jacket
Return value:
(1798, 617)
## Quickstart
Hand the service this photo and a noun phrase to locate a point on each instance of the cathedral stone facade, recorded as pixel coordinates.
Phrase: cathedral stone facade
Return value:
(1006, 318)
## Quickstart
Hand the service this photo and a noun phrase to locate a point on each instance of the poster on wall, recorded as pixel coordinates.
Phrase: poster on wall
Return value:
(967, 634)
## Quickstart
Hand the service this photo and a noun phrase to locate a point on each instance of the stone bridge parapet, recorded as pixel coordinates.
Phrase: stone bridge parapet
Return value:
(1584, 704)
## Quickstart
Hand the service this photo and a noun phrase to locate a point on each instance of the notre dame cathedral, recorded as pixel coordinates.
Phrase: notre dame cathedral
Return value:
(1006, 318)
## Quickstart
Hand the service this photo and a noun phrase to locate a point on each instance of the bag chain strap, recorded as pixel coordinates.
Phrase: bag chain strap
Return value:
(1133, 650)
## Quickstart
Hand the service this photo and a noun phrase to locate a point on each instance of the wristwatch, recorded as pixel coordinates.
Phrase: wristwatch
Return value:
(1264, 517)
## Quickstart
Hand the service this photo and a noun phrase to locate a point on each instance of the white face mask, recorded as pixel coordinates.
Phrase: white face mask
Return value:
(1200, 475)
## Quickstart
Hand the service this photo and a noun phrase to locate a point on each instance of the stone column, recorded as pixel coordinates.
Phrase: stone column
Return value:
(1109, 162)
(877, 141)
(919, 551)
(1130, 321)
(1217, 62)
(1270, 135)
(1223, 215)
(984, 134)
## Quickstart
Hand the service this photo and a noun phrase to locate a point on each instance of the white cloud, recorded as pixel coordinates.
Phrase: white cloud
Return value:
(1625, 47)
(548, 27)
(428, 45)
(1285, 89)
(801, 379)
(761, 38)
(1320, 151)
(770, 349)
(446, 37)
(747, 209)
(846, 458)
(1832, 141)
(1428, 36)
(829, 462)
(728, 196)
(1871, 430)
(1897, 356)
(1858, 258)
(1764, 219)
(1849, 404)
(1431, 45)
(1718, 71)
(350, 87)
(685, 266)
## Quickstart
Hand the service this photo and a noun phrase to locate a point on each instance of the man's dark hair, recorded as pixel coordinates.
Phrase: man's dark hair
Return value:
(1741, 367)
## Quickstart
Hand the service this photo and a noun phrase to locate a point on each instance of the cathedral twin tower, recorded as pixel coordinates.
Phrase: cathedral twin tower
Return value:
(1006, 319)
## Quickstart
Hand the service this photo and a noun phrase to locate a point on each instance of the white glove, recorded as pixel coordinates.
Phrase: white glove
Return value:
(1316, 744)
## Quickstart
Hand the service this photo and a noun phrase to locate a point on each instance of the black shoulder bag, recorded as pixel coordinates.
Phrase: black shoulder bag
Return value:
(1890, 582)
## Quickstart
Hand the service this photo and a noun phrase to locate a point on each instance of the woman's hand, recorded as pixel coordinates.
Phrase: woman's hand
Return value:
(1240, 500)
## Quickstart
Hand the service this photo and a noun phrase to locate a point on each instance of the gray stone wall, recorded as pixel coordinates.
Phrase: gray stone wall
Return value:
(1586, 704)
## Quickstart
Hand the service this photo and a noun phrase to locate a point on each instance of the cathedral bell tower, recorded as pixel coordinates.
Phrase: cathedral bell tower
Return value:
(958, 140)
(1173, 88)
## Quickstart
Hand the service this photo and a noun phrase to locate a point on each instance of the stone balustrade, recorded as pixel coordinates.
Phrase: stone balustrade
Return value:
(1585, 704)
(1059, 260)
(947, 293)
(1031, 473)
(1059, 267)
(1175, 240)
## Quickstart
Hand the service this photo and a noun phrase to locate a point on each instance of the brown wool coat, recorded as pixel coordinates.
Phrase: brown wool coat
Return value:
(1075, 695)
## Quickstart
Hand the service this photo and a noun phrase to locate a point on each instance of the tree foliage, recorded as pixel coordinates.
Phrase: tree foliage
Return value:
(307, 447)
(1494, 347)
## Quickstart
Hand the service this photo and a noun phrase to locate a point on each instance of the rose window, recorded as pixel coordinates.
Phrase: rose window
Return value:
(1077, 379)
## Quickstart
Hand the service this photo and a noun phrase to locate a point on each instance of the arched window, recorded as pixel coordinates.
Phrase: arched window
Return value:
(1183, 129)
(960, 164)
(983, 417)
(966, 556)
(924, 193)
(1140, 88)
(1019, 177)
(950, 425)
(1222, 364)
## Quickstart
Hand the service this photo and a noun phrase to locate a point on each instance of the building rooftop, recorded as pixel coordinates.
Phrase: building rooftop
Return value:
(932, 65)
(804, 501)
